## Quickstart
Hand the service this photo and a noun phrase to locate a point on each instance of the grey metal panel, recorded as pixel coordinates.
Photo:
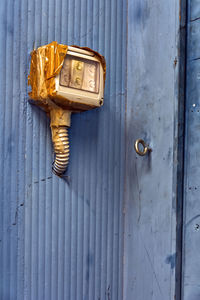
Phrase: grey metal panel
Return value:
(61, 240)
(152, 113)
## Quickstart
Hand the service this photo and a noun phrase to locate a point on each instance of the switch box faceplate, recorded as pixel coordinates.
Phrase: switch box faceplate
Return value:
(81, 81)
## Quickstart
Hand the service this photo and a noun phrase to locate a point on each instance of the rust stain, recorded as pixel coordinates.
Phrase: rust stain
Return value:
(175, 62)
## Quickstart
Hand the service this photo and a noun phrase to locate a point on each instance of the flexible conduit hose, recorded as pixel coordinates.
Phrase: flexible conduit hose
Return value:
(61, 149)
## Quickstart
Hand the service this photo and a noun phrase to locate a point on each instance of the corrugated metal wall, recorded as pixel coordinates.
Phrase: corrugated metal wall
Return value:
(61, 240)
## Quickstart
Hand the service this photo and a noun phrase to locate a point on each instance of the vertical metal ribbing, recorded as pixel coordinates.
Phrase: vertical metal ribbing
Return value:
(61, 149)
(64, 232)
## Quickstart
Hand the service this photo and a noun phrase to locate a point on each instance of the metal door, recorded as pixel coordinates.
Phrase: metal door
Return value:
(151, 240)
(110, 231)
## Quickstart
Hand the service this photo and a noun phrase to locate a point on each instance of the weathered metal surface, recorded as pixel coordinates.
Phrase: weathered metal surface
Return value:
(193, 40)
(152, 114)
(191, 259)
(61, 240)
(193, 9)
(191, 224)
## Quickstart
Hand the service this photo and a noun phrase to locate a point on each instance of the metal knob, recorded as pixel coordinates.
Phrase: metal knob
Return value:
(145, 147)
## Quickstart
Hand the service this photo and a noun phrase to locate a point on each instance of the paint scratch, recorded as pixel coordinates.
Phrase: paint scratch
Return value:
(139, 193)
(152, 267)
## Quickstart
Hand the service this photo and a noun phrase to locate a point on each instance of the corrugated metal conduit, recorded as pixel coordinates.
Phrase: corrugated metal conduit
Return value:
(61, 149)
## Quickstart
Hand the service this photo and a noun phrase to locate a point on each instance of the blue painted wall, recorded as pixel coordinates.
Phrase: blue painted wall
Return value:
(109, 233)
(61, 240)
(191, 220)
